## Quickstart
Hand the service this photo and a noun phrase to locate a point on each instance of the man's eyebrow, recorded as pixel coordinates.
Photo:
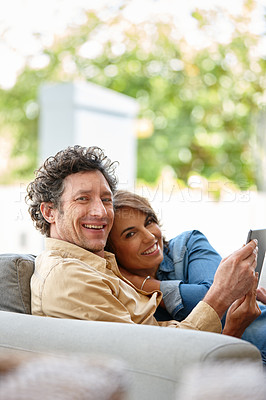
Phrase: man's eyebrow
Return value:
(84, 191)
(107, 193)
(127, 229)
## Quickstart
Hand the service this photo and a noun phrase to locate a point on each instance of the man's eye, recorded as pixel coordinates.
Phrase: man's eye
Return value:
(82, 198)
(107, 200)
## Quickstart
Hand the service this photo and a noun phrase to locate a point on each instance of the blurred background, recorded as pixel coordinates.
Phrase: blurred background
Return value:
(175, 91)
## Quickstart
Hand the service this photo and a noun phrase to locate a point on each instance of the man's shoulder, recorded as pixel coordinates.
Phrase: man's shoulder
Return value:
(47, 257)
(47, 261)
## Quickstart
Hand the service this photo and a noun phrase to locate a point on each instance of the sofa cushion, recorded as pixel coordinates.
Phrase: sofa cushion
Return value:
(15, 273)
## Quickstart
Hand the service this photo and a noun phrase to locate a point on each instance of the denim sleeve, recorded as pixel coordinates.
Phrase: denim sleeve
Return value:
(202, 263)
(171, 296)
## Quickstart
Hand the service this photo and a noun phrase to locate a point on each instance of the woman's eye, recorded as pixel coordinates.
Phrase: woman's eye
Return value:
(129, 235)
(82, 198)
(149, 221)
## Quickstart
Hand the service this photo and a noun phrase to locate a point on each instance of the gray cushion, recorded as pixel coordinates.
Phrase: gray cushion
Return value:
(15, 273)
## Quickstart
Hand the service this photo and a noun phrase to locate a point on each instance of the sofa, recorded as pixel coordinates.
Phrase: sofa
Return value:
(154, 358)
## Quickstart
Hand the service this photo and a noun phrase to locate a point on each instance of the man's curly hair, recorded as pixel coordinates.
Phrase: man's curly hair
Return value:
(48, 184)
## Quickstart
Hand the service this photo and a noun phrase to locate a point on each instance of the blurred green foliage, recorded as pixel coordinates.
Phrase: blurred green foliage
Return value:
(203, 103)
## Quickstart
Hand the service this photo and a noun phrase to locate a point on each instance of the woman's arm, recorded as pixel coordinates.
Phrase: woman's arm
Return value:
(200, 263)
(141, 282)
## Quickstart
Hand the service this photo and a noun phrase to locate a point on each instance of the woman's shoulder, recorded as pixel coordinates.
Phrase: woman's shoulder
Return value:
(185, 236)
(186, 240)
(178, 244)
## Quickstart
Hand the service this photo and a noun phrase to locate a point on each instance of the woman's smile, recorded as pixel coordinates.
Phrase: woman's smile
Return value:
(151, 249)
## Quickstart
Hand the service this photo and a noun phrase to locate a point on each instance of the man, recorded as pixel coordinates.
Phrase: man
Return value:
(70, 201)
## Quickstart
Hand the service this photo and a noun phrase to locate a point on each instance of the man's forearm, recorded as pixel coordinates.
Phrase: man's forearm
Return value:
(216, 300)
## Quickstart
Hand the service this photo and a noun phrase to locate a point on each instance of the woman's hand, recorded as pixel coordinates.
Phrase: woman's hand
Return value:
(261, 294)
(150, 284)
(241, 313)
(137, 280)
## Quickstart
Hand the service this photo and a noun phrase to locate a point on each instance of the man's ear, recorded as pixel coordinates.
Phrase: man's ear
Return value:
(48, 212)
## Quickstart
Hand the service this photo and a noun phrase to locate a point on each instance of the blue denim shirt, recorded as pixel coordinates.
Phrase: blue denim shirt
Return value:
(186, 272)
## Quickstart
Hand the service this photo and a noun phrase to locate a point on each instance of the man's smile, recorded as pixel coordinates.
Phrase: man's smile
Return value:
(88, 226)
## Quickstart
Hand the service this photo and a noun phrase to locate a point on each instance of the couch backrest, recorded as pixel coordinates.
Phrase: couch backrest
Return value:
(15, 274)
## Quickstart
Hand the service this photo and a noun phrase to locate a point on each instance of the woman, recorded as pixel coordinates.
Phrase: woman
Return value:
(183, 268)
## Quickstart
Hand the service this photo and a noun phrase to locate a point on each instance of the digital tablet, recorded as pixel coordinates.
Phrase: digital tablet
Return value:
(260, 235)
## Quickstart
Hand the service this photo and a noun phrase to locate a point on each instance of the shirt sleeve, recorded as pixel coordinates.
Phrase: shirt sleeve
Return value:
(202, 318)
(171, 296)
(203, 261)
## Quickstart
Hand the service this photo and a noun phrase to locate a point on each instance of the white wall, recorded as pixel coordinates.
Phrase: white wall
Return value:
(89, 115)
(17, 234)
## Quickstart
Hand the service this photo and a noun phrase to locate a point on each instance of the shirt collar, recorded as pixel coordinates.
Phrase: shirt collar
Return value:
(70, 250)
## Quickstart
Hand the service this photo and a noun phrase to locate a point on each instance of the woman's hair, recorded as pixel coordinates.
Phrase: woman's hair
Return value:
(48, 184)
(123, 199)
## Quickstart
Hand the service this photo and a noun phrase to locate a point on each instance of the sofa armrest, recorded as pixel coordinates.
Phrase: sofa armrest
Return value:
(154, 356)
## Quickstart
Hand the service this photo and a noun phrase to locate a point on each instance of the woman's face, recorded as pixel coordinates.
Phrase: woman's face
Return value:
(137, 241)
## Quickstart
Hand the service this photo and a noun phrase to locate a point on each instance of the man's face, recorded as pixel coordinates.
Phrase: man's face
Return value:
(85, 214)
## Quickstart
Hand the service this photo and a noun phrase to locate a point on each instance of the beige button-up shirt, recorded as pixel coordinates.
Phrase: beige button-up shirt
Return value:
(71, 282)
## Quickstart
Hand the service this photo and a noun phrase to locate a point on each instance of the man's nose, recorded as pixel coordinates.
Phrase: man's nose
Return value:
(97, 208)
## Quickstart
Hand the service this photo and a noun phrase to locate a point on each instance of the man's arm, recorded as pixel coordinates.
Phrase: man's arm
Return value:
(72, 291)
(242, 312)
(202, 318)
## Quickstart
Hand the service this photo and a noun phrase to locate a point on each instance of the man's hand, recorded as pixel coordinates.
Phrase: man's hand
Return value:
(241, 313)
(234, 278)
(261, 295)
